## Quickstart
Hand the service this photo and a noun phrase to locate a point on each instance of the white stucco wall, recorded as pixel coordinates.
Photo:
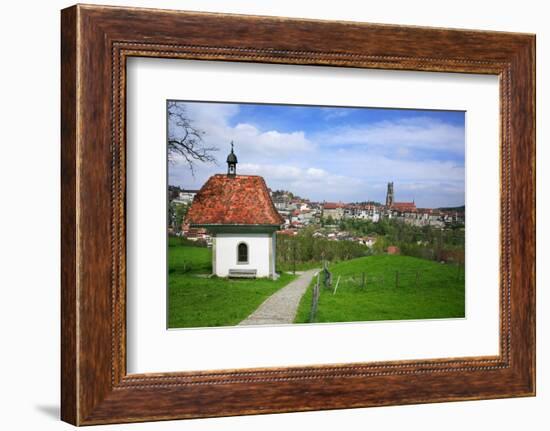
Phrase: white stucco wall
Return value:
(259, 245)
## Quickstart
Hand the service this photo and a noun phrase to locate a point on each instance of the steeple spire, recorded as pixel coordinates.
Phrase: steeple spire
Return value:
(389, 195)
(231, 163)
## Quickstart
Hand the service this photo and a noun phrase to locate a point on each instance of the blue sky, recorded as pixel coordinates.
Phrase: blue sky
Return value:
(335, 153)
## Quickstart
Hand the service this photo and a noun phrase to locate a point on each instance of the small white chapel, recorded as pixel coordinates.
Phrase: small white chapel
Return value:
(239, 214)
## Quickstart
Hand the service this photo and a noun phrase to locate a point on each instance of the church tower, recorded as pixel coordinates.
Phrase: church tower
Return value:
(389, 195)
(231, 163)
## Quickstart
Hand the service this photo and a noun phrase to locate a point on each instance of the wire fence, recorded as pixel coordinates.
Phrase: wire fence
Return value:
(366, 281)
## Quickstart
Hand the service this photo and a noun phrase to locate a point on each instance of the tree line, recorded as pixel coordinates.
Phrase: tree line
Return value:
(426, 242)
(306, 248)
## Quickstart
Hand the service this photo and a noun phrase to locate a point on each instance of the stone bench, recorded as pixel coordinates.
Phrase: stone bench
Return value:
(242, 273)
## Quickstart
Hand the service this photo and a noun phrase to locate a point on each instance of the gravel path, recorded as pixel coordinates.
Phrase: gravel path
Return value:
(280, 308)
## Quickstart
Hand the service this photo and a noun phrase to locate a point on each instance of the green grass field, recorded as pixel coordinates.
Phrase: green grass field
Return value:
(185, 258)
(437, 291)
(195, 301)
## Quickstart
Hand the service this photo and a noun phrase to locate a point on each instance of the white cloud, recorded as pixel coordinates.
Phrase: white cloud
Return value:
(316, 172)
(206, 114)
(374, 166)
(269, 143)
(214, 119)
(272, 172)
(401, 137)
(311, 182)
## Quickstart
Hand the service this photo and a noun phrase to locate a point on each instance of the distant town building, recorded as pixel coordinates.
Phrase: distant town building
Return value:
(393, 249)
(333, 210)
(187, 196)
(288, 232)
(369, 241)
(196, 234)
(404, 207)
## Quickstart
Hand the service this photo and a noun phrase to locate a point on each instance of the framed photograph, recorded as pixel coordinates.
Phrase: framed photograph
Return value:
(263, 214)
(310, 189)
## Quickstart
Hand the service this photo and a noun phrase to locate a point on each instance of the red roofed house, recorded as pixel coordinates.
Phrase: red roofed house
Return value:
(393, 249)
(334, 210)
(404, 206)
(238, 212)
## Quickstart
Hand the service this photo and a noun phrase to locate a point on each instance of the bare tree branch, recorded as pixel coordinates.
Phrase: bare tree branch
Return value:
(185, 140)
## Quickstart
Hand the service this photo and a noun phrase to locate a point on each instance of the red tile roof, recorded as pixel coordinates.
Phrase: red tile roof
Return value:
(404, 206)
(238, 200)
(392, 249)
(332, 205)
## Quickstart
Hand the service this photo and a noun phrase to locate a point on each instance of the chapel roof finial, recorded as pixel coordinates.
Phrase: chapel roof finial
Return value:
(232, 162)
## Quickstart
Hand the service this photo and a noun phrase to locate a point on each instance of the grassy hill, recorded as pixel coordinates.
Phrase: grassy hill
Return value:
(396, 288)
(197, 301)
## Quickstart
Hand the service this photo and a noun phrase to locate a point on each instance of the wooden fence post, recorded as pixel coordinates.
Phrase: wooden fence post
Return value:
(314, 300)
(294, 257)
(336, 287)
(327, 276)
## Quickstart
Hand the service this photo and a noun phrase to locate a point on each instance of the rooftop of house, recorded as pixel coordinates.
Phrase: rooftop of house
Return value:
(233, 200)
(332, 205)
(404, 206)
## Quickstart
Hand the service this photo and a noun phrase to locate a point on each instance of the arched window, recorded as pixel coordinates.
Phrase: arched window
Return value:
(242, 253)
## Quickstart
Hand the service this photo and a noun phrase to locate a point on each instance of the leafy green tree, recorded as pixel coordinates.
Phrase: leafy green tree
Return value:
(176, 213)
